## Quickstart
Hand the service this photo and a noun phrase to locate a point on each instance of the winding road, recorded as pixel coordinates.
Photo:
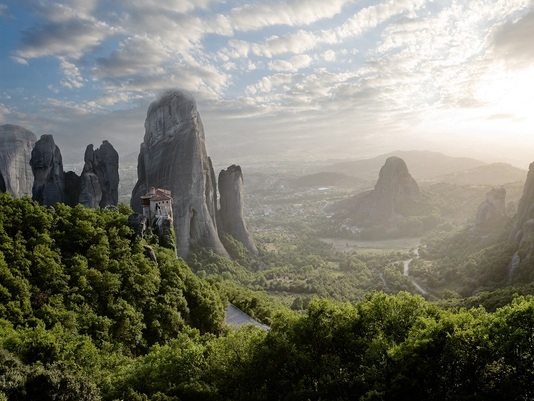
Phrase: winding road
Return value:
(406, 272)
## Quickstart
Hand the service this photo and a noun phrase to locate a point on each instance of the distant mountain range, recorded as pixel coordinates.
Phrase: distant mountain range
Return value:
(489, 174)
(434, 167)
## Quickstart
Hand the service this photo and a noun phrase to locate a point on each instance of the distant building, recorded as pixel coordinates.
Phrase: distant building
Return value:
(157, 203)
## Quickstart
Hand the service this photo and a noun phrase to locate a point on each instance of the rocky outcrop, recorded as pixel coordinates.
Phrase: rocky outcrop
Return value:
(99, 185)
(72, 188)
(47, 167)
(138, 222)
(394, 194)
(230, 214)
(525, 209)
(90, 189)
(16, 144)
(492, 211)
(173, 156)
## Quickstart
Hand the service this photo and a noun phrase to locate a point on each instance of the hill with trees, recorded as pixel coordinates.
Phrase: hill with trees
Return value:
(88, 313)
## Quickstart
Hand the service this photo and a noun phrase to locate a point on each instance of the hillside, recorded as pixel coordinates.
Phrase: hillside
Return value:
(423, 165)
(489, 174)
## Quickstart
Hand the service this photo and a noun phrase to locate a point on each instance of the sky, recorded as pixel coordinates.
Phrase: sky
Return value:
(277, 80)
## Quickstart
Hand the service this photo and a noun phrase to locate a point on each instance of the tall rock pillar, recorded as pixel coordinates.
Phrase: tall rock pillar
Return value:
(16, 144)
(173, 156)
(47, 166)
(231, 218)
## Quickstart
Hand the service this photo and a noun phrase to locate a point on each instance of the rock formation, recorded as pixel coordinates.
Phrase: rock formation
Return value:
(525, 210)
(99, 181)
(492, 211)
(47, 166)
(173, 156)
(90, 188)
(230, 214)
(522, 232)
(97, 186)
(16, 144)
(394, 194)
(138, 222)
(72, 188)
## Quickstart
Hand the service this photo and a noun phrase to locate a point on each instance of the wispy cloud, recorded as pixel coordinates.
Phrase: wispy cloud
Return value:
(361, 66)
(514, 41)
(292, 13)
(67, 38)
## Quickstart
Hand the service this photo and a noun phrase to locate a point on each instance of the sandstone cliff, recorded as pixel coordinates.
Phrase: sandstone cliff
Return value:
(230, 214)
(47, 167)
(173, 156)
(16, 144)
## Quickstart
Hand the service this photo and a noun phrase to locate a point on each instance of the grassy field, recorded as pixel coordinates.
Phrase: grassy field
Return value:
(347, 245)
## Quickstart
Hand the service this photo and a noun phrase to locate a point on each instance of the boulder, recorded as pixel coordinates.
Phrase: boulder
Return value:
(47, 167)
(230, 214)
(173, 156)
(16, 144)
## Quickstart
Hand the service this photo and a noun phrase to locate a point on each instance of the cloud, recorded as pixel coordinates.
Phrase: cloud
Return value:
(513, 41)
(292, 65)
(357, 25)
(61, 11)
(293, 13)
(174, 6)
(4, 112)
(329, 55)
(73, 78)
(267, 83)
(136, 55)
(296, 43)
(69, 38)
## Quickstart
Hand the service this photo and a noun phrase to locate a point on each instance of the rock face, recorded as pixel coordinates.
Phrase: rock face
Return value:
(97, 186)
(16, 144)
(492, 211)
(173, 156)
(90, 189)
(72, 188)
(230, 214)
(522, 232)
(138, 222)
(99, 181)
(525, 210)
(47, 166)
(394, 192)
(394, 189)
(105, 162)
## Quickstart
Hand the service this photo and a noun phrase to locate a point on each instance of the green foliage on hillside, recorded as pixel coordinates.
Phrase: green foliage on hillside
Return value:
(86, 270)
(86, 315)
(466, 261)
(383, 348)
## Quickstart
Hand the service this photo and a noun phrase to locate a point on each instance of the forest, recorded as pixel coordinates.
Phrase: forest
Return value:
(90, 310)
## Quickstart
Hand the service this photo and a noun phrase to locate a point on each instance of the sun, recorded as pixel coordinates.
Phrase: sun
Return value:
(504, 91)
